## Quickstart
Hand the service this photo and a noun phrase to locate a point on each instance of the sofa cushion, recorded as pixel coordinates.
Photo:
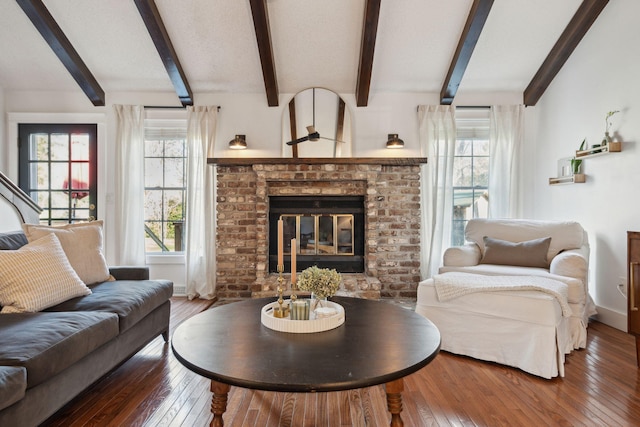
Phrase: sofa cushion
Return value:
(48, 343)
(129, 272)
(37, 276)
(13, 384)
(530, 253)
(564, 234)
(12, 240)
(82, 242)
(131, 300)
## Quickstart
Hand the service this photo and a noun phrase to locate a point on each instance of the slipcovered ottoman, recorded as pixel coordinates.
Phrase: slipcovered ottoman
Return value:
(525, 329)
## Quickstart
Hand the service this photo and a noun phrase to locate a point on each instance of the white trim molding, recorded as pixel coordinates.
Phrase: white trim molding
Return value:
(612, 318)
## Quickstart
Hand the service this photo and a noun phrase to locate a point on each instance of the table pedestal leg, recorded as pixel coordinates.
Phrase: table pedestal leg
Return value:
(394, 401)
(218, 402)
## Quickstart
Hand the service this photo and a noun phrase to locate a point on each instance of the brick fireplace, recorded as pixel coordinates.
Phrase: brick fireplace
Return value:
(389, 188)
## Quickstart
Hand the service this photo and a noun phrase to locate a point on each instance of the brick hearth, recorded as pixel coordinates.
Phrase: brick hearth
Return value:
(391, 188)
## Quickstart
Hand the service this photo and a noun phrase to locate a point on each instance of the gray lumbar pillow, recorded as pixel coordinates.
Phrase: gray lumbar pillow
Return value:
(531, 253)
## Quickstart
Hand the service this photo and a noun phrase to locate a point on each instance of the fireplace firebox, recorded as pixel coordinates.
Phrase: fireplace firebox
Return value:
(329, 232)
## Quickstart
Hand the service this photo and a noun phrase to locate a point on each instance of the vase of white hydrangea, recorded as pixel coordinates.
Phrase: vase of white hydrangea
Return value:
(321, 282)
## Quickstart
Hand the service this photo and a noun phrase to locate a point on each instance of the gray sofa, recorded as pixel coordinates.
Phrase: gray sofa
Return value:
(49, 357)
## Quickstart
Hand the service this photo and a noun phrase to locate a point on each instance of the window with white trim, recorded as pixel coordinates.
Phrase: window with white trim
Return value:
(470, 170)
(165, 172)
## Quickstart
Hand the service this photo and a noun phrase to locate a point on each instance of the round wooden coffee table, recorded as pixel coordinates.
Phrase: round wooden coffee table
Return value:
(379, 343)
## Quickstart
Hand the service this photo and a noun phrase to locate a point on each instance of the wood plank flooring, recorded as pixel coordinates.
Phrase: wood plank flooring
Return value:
(601, 388)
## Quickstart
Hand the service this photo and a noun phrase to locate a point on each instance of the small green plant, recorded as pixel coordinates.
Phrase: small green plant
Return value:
(607, 119)
(576, 163)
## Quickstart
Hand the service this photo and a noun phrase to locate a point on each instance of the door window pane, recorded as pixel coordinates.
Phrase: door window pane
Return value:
(80, 147)
(59, 146)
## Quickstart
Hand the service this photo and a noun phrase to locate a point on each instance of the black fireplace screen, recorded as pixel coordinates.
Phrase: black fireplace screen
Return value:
(329, 232)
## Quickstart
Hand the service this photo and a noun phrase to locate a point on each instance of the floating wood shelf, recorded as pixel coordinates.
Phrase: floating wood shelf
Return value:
(578, 178)
(612, 147)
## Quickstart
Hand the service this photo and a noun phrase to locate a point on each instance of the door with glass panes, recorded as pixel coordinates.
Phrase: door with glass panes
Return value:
(58, 169)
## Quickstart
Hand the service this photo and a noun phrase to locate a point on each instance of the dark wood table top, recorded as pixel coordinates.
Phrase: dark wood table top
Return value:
(378, 343)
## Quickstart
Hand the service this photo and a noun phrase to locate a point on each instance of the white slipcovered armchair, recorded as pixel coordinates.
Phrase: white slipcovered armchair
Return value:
(525, 328)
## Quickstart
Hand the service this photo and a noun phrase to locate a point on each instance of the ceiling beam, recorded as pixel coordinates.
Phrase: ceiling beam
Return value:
(340, 120)
(61, 46)
(470, 34)
(339, 128)
(263, 38)
(158, 32)
(293, 126)
(367, 49)
(584, 17)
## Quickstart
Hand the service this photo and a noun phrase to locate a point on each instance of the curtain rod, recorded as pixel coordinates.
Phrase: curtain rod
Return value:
(164, 107)
(470, 107)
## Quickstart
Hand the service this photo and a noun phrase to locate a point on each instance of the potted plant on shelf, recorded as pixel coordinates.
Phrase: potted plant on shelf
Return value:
(575, 162)
(607, 120)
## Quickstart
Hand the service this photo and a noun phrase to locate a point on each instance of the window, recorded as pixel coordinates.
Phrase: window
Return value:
(470, 170)
(58, 169)
(165, 186)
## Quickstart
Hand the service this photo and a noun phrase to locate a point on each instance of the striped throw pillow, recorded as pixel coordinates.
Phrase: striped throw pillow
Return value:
(37, 276)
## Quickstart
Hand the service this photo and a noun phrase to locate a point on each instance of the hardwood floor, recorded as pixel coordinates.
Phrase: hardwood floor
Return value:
(601, 388)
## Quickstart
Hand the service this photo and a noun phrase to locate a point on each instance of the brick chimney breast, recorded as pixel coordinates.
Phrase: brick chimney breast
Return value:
(391, 191)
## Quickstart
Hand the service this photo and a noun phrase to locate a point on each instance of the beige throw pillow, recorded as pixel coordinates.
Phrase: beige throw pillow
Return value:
(82, 242)
(531, 253)
(37, 276)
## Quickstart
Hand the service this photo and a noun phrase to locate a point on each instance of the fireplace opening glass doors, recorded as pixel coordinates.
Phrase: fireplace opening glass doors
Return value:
(325, 234)
(329, 232)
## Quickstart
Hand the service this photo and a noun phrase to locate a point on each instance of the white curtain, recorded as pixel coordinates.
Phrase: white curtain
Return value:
(437, 141)
(506, 136)
(200, 237)
(130, 184)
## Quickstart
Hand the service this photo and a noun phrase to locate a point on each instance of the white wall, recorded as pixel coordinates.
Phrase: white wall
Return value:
(240, 113)
(601, 75)
(3, 123)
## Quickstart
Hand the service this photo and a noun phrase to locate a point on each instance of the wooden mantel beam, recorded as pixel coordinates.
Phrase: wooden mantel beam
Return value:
(248, 161)
(584, 17)
(62, 47)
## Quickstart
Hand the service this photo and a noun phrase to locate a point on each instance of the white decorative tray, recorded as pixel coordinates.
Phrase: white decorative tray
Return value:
(302, 326)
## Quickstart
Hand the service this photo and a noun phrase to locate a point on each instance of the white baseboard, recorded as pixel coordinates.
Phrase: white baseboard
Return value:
(181, 290)
(615, 319)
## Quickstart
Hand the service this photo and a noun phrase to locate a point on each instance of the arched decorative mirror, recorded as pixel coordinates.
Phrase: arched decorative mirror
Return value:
(316, 123)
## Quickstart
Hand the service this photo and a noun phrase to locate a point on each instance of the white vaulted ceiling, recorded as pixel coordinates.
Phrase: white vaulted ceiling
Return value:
(314, 43)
